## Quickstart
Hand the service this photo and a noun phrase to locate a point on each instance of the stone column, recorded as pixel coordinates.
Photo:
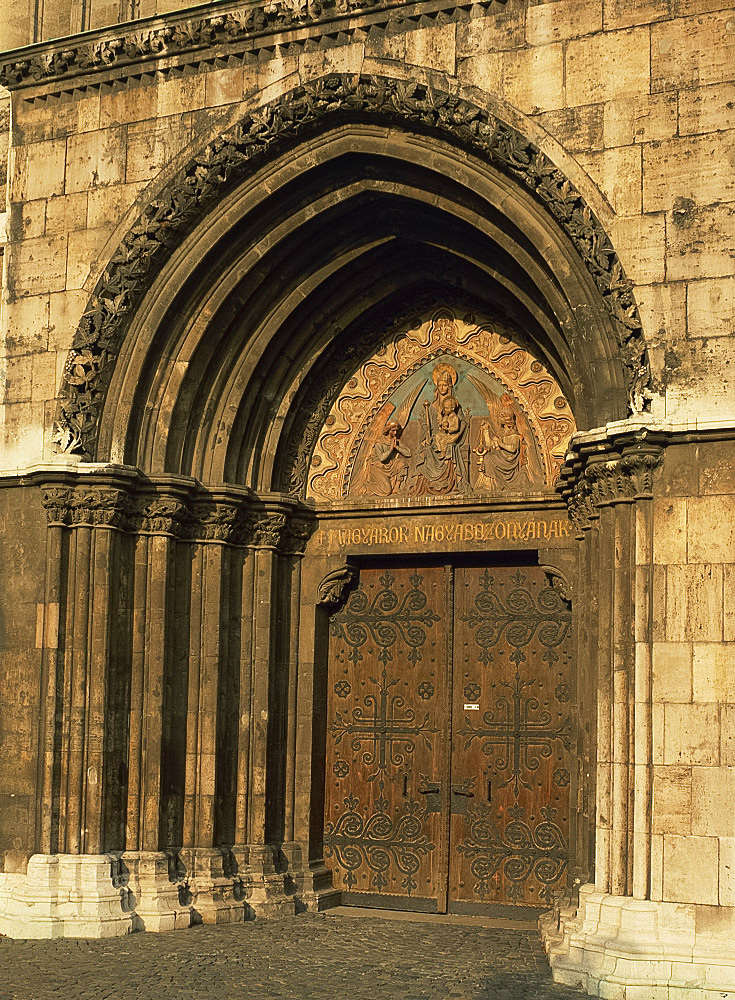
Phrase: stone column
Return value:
(56, 501)
(325, 586)
(255, 861)
(215, 895)
(293, 541)
(152, 879)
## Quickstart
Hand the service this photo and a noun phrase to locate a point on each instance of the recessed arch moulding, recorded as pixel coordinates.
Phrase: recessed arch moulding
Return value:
(226, 323)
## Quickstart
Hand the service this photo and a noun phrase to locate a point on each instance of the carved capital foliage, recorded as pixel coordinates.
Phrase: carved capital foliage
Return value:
(268, 529)
(623, 477)
(282, 124)
(296, 534)
(214, 520)
(161, 515)
(99, 506)
(335, 587)
(57, 504)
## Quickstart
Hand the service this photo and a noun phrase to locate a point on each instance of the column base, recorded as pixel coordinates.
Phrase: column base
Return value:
(158, 895)
(621, 948)
(311, 883)
(65, 896)
(265, 891)
(214, 894)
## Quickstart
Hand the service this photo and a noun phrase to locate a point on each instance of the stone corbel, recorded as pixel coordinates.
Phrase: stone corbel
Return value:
(559, 582)
(336, 586)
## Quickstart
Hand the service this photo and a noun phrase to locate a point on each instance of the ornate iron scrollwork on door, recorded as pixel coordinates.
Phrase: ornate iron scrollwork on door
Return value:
(379, 842)
(517, 851)
(385, 620)
(523, 616)
(391, 728)
(522, 740)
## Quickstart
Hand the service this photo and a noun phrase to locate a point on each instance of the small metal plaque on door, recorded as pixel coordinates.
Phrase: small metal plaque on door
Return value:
(471, 706)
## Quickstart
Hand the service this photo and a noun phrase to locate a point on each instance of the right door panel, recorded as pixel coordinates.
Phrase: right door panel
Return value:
(511, 738)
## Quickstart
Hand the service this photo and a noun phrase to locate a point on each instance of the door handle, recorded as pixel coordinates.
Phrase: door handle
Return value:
(460, 794)
(433, 792)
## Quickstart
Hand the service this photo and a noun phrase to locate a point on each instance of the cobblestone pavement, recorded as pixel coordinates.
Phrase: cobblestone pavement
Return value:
(308, 957)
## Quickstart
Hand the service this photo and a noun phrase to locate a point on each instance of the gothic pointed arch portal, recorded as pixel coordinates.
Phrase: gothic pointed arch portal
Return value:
(330, 376)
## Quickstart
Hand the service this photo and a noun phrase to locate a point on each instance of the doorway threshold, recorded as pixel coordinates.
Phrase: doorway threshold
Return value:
(459, 919)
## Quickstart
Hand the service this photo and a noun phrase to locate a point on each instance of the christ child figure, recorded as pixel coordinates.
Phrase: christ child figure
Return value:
(450, 427)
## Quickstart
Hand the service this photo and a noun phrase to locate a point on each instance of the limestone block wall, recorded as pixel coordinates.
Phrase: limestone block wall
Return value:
(693, 819)
(634, 101)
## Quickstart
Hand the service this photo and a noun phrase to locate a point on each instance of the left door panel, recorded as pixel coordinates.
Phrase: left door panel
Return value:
(387, 744)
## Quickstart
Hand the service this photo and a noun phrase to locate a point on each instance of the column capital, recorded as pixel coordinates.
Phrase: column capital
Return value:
(613, 472)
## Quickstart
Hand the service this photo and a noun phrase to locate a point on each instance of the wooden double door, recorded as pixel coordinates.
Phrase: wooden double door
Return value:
(449, 735)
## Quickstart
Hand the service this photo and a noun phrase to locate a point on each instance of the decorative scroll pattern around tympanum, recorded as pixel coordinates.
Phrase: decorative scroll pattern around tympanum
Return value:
(385, 620)
(383, 728)
(271, 130)
(515, 850)
(547, 616)
(378, 842)
(518, 734)
(447, 405)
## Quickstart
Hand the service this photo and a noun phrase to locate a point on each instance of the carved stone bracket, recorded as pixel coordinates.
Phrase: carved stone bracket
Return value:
(268, 130)
(336, 586)
(559, 582)
(621, 473)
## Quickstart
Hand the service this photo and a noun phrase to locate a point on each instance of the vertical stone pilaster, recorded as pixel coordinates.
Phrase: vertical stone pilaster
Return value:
(325, 585)
(56, 501)
(137, 697)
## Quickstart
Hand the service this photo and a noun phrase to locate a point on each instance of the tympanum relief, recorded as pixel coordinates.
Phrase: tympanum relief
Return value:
(448, 407)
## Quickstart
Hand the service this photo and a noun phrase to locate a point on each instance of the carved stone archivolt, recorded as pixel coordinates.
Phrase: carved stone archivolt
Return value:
(270, 130)
(447, 406)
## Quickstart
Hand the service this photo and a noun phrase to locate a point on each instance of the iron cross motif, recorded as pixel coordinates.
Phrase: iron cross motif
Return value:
(392, 735)
(525, 740)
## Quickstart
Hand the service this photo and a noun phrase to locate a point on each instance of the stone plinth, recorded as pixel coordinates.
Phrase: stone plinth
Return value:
(65, 895)
(159, 899)
(632, 949)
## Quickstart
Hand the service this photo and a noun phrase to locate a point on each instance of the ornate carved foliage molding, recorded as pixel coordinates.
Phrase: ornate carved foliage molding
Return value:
(273, 128)
(239, 27)
(200, 518)
(622, 474)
